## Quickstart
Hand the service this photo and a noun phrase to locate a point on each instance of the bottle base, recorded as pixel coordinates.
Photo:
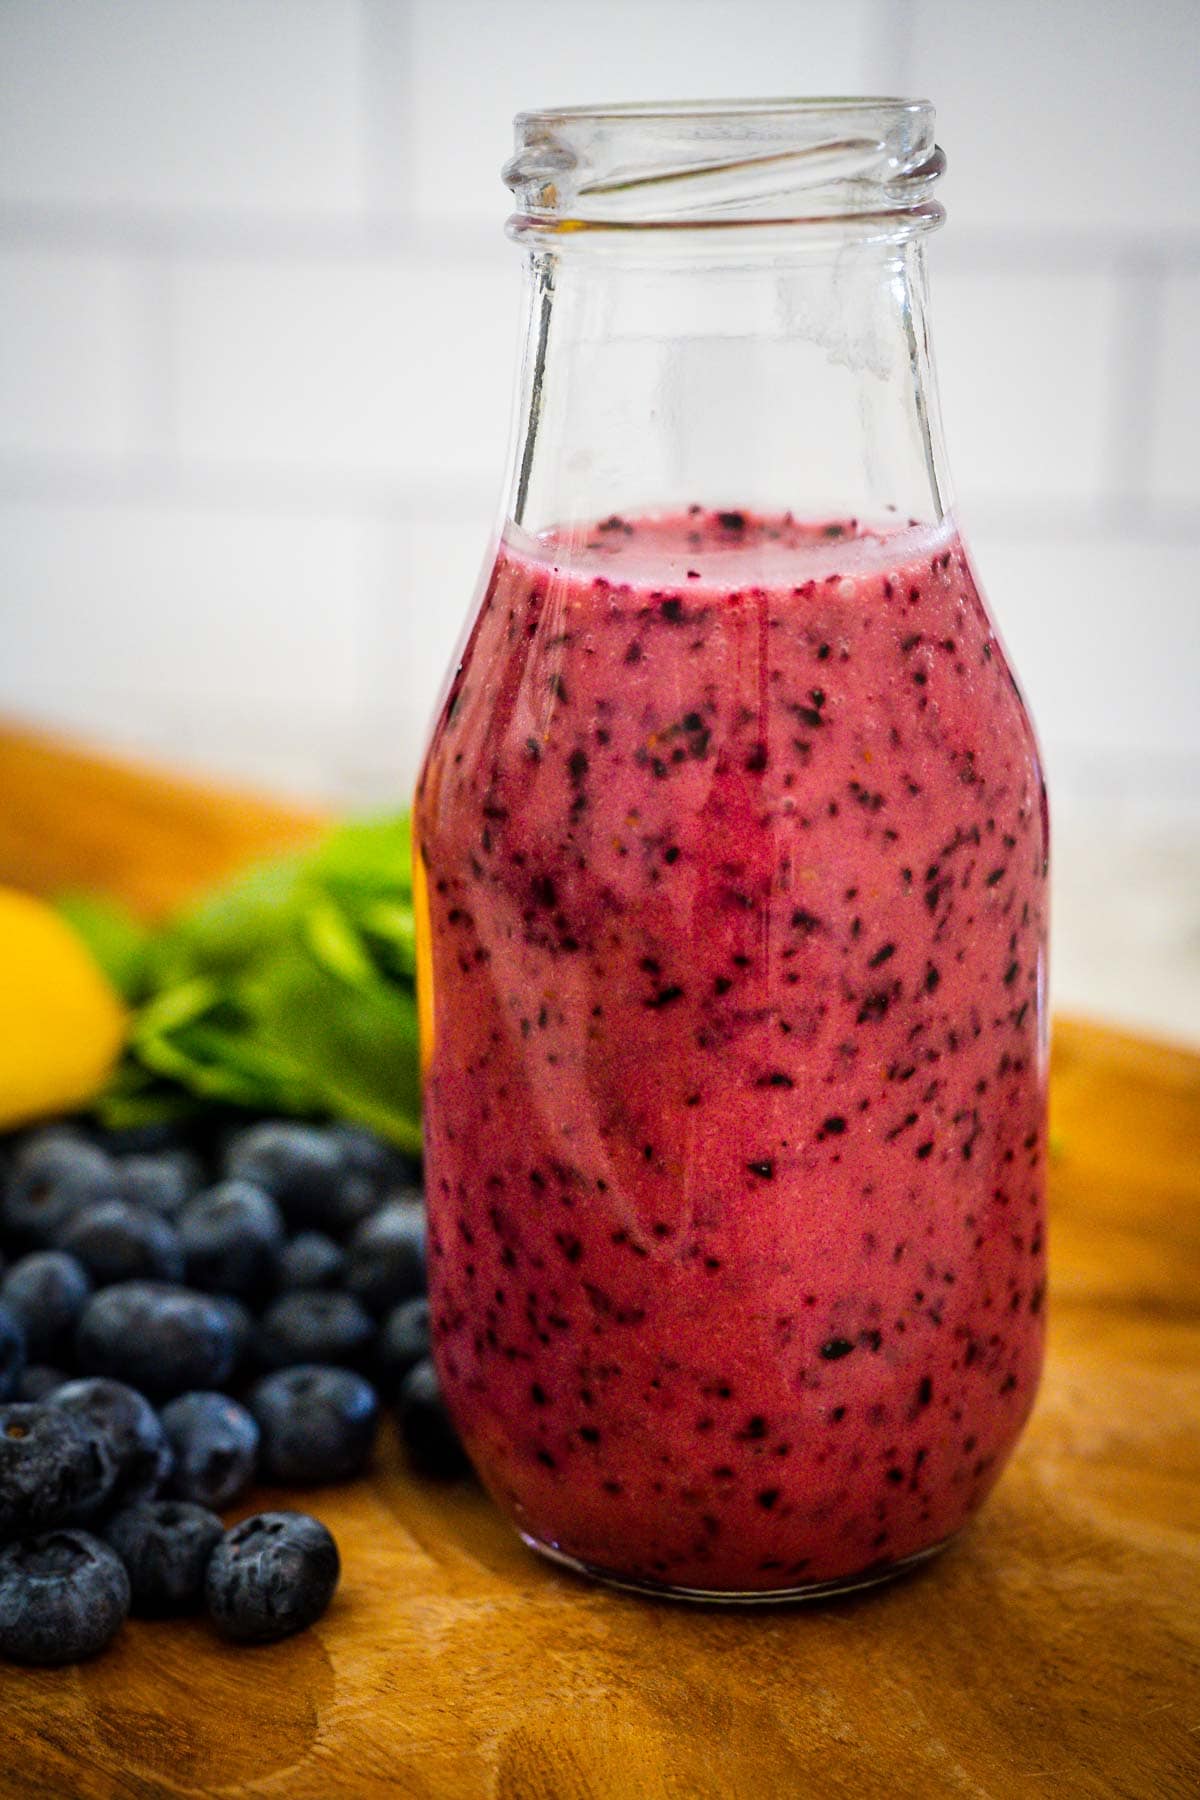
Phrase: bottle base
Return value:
(874, 1576)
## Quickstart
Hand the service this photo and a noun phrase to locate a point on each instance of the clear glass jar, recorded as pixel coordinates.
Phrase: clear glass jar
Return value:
(733, 844)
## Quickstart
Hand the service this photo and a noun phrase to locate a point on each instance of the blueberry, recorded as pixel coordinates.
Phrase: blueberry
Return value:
(29, 1145)
(215, 1443)
(386, 1259)
(403, 1341)
(163, 1183)
(12, 1351)
(46, 1291)
(311, 1260)
(314, 1327)
(38, 1381)
(426, 1428)
(165, 1546)
(363, 1153)
(163, 1340)
(63, 1597)
(232, 1237)
(303, 1168)
(35, 1138)
(50, 1469)
(242, 1329)
(120, 1242)
(317, 1424)
(270, 1576)
(127, 1431)
(52, 1176)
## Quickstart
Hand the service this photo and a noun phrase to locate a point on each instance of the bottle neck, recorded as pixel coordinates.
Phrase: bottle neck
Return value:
(790, 376)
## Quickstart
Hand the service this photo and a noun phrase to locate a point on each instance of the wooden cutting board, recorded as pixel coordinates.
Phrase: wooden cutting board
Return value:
(1053, 1651)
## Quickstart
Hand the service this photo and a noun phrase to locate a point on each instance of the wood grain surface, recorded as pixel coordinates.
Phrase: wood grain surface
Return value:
(70, 818)
(1054, 1650)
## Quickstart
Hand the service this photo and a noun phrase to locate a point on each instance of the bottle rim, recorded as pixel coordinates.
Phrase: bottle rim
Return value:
(865, 161)
(749, 106)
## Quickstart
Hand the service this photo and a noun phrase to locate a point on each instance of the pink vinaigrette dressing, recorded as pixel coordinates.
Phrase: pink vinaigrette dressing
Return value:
(735, 844)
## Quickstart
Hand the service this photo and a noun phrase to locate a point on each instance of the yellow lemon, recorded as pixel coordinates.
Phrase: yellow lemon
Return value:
(61, 1023)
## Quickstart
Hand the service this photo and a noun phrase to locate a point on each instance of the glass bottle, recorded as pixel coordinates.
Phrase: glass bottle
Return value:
(732, 842)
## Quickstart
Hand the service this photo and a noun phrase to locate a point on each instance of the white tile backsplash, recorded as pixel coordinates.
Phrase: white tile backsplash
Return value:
(187, 608)
(1023, 361)
(387, 104)
(1174, 471)
(1125, 923)
(169, 105)
(1074, 116)
(1105, 636)
(368, 368)
(424, 576)
(70, 353)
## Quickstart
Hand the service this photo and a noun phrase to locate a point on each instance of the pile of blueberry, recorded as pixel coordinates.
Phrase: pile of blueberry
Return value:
(180, 1320)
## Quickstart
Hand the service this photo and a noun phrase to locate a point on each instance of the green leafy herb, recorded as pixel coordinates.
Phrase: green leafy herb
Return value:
(290, 990)
(116, 939)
